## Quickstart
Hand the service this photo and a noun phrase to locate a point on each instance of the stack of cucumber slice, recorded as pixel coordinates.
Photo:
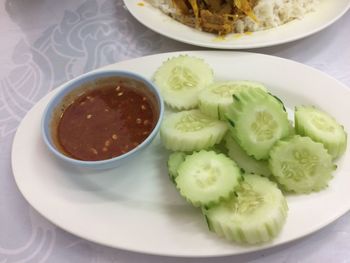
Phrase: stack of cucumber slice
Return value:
(239, 189)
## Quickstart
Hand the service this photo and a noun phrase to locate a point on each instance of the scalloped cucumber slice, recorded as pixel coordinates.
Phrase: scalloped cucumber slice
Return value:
(254, 215)
(321, 127)
(181, 78)
(217, 97)
(206, 178)
(219, 148)
(257, 121)
(174, 162)
(191, 131)
(291, 128)
(301, 165)
(244, 161)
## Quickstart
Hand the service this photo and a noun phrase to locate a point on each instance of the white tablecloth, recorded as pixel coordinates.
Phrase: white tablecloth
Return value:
(43, 43)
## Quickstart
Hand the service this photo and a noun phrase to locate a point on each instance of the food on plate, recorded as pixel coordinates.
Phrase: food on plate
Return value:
(180, 79)
(206, 178)
(105, 119)
(241, 189)
(321, 127)
(301, 165)
(248, 163)
(217, 97)
(255, 214)
(191, 131)
(257, 121)
(227, 16)
(174, 162)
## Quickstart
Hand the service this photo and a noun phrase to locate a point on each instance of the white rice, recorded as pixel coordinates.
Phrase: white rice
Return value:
(273, 13)
(270, 13)
(166, 6)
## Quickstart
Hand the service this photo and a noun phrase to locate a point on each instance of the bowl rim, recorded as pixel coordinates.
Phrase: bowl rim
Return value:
(77, 82)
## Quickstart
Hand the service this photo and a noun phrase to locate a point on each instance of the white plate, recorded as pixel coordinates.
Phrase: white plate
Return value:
(327, 13)
(135, 207)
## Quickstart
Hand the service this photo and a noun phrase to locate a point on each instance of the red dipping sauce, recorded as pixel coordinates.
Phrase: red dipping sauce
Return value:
(105, 119)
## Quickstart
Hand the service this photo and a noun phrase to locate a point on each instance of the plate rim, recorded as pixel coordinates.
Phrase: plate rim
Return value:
(214, 45)
(263, 247)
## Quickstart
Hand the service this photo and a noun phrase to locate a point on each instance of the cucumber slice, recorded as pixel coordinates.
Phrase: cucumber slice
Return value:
(244, 161)
(174, 162)
(181, 78)
(217, 97)
(191, 131)
(301, 165)
(291, 128)
(321, 127)
(206, 178)
(255, 214)
(220, 147)
(257, 120)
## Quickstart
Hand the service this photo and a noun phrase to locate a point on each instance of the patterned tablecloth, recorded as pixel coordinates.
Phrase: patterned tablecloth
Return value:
(46, 42)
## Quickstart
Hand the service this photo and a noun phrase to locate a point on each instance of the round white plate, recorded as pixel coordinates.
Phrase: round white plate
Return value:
(136, 207)
(327, 13)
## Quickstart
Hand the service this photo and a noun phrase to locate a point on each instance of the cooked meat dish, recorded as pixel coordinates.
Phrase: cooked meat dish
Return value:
(226, 16)
(216, 16)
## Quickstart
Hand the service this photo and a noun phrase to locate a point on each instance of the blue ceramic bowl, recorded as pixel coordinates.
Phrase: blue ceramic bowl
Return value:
(78, 83)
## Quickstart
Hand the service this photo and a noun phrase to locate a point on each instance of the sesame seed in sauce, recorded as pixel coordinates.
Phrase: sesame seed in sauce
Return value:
(138, 120)
(88, 116)
(143, 107)
(120, 94)
(104, 149)
(114, 136)
(107, 143)
(117, 88)
(94, 151)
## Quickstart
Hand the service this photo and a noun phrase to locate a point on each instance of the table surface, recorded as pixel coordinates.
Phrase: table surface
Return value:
(47, 42)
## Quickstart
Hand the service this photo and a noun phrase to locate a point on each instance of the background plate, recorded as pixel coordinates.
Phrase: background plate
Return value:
(135, 207)
(327, 13)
